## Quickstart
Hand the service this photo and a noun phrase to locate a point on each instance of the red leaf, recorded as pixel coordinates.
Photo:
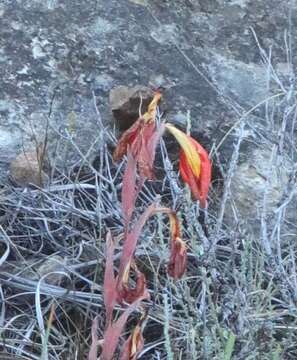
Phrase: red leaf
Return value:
(131, 240)
(110, 291)
(151, 147)
(127, 139)
(129, 192)
(114, 331)
(143, 138)
(95, 342)
(143, 155)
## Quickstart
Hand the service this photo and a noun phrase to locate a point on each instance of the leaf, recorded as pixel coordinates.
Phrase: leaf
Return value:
(129, 192)
(114, 331)
(143, 138)
(178, 251)
(143, 155)
(152, 144)
(131, 240)
(110, 291)
(174, 225)
(127, 138)
(229, 346)
(95, 342)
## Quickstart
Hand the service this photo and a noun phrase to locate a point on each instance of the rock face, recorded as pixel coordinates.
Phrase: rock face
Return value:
(55, 55)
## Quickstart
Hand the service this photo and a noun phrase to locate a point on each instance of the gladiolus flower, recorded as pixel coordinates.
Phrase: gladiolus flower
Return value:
(142, 138)
(178, 251)
(194, 166)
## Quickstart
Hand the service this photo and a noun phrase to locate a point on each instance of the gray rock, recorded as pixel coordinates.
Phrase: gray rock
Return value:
(259, 181)
(55, 55)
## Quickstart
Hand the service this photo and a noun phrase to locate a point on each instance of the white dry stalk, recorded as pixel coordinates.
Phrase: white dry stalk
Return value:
(227, 184)
(166, 328)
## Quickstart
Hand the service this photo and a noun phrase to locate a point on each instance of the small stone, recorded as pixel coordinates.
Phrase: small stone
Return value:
(53, 269)
(28, 169)
(125, 104)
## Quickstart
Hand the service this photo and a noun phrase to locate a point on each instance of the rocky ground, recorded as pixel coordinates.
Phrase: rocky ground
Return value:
(66, 74)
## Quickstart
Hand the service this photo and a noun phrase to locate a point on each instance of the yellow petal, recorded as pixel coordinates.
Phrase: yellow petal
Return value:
(188, 148)
(150, 115)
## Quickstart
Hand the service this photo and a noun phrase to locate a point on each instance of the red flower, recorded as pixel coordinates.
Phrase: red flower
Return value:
(194, 166)
(142, 137)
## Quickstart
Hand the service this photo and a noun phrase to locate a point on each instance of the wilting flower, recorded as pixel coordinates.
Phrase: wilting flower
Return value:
(114, 330)
(178, 258)
(134, 344)
(178, 249)
(129, 294)
(178, 252)
(142, 138)
(194, 166)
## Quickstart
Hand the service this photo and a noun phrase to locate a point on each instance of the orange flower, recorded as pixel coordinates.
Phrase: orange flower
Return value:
(194, 166)
(142, 137)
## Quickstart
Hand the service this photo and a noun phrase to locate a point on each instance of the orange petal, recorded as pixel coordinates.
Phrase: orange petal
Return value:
(150, 115)
(188, 148)
(174, 225)
(199, 186)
